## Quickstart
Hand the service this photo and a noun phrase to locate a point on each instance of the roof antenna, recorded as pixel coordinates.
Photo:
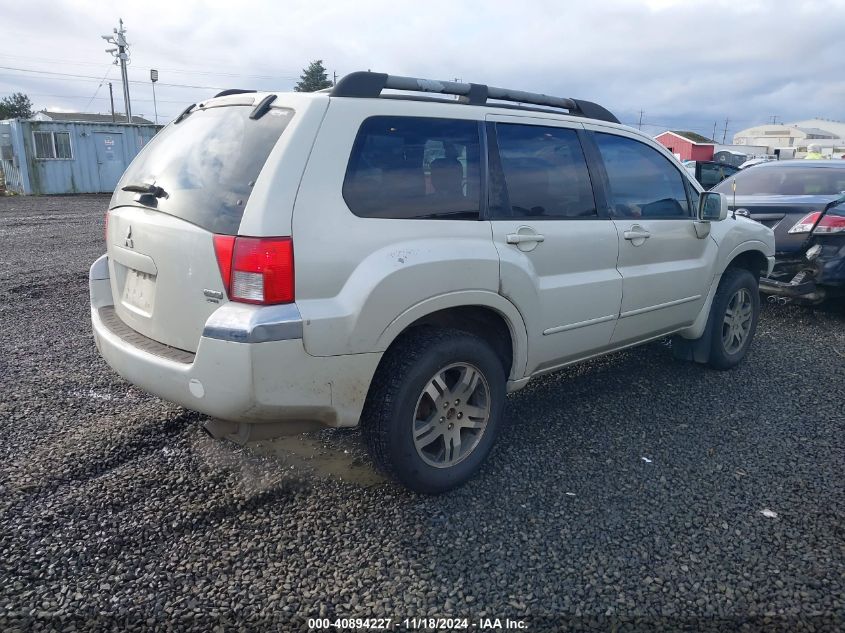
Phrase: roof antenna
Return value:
(733, 186)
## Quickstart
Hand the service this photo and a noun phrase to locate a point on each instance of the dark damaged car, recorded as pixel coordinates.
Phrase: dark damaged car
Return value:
(803, 202)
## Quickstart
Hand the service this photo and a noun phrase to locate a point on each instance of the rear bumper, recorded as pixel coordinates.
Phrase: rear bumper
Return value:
(787, 288)
(250, 365)
(814, 279)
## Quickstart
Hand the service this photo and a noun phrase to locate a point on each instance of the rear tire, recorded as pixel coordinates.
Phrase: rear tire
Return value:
(734, 314)
(434, 408)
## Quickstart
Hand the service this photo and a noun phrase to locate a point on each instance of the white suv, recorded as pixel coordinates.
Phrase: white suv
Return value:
(288, 261)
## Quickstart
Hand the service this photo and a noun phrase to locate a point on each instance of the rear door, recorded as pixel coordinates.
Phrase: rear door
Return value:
(666, 268)
(557, 248)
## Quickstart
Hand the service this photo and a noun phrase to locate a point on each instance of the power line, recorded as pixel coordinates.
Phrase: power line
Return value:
(287, 75)
(100, 85)
(94, 78)
(41, 94)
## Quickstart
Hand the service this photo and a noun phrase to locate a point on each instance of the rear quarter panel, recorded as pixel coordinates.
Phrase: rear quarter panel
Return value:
(270, 207)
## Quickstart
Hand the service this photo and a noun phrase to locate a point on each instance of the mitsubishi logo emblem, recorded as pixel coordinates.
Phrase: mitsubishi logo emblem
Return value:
(128, 243)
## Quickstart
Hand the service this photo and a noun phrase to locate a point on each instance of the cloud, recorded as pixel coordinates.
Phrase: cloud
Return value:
(688, 63)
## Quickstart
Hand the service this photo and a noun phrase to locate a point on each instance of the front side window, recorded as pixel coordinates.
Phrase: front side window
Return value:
(643, 183)
(414, 168)
(545, 173)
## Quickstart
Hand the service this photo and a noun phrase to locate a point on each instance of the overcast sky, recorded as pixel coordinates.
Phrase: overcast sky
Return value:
(684, 63)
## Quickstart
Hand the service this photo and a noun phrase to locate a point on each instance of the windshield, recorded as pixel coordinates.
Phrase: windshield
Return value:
(785, 181)
(207, 164)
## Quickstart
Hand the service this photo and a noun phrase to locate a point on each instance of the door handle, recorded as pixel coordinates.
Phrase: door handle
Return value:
(636, 233)
(523, 238)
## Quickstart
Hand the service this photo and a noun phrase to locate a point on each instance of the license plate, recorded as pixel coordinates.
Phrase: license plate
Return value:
(139, 291)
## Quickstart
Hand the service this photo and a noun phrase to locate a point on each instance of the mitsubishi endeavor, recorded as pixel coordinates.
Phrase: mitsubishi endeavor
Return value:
(401, 253)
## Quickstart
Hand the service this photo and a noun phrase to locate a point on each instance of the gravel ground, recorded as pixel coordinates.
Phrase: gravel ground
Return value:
(626, 492)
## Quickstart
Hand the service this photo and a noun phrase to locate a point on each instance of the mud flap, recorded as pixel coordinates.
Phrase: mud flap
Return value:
(697, 349)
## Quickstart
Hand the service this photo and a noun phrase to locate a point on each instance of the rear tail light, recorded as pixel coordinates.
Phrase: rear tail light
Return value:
(256, 269)
(806, 224)
(223, 247)
(830, 224)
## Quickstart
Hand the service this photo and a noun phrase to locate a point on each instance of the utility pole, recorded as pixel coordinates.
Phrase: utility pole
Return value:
(713, 136)
(111, 100)
(154, 79)
(121, 55)
(774, 119)
(725, 133)
(334, 78)
(640, 124)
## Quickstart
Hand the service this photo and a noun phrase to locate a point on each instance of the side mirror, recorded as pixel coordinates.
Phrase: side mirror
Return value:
(712, 207)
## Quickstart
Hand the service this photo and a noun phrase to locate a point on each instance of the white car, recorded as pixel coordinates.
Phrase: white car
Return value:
(283, 262)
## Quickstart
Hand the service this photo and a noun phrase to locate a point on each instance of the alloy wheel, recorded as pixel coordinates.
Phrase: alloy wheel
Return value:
(737, 323)
(451, 415)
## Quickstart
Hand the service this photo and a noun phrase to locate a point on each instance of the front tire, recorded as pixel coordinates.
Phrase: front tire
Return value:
(434, 408)
(734, 314)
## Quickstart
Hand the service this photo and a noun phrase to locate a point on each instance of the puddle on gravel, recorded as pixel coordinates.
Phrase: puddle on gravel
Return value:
(323, 454)
(265, 464)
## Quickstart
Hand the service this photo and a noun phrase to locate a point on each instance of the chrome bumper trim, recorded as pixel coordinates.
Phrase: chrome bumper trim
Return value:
(244, 323)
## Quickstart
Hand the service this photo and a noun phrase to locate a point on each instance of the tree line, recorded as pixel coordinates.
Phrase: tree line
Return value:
(15, 106)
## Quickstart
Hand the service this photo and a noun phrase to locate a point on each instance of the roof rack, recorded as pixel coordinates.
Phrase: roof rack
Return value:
(366, 84)
(232, 91)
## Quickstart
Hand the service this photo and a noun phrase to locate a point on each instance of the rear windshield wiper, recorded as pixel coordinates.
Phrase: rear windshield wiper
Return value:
(184, 113)
(263, 107)
(146, 189)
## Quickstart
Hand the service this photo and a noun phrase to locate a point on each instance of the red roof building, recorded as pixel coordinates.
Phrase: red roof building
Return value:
(687, 145)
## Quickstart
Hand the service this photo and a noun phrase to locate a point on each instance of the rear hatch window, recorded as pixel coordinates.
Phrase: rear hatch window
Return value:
(786, 181)
(207, 164)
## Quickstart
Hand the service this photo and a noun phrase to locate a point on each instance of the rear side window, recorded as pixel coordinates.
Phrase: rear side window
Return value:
(643, 183)
(545, 173)
(207, 163)
(414, 168)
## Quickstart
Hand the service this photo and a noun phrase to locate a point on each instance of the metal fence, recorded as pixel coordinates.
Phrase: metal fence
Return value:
(10, 177)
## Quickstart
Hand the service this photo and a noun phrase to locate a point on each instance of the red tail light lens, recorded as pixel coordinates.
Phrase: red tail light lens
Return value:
(830, 223)
(256, 269)
(805, 224)
(223, 247)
